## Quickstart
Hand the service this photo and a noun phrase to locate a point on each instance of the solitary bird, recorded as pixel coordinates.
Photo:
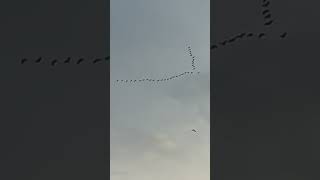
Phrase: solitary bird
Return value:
(80, 60)
(67, 60)
(261, 35)
(38, 60)
(232, 40)
(241, 35)
(267, 16)
(268, 23)
(265, 12)
(54, 62)
(194, 130)
(250, 35)
(223, 43)
(283, 35)
(96, 60)
(23, 60)
(213, 47)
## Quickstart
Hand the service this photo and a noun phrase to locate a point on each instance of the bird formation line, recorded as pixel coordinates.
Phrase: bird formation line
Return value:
(268, 20)
(165, 79)
(68, 60)
(241, 36)
(192, 62)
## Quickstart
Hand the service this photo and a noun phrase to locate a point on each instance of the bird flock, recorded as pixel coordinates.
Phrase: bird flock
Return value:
(266, 13)
(165, 79)
(68, 60)
(268, 21)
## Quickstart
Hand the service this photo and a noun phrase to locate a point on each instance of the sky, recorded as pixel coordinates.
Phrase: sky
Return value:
(152, 122)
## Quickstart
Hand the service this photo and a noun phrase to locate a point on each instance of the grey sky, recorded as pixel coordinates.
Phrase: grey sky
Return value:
(151, 123)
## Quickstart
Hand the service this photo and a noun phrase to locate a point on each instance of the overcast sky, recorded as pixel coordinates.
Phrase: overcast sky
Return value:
(151, 122)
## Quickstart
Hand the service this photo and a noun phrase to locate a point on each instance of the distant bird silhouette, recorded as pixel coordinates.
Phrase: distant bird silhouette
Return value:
(283, 35)
(241, 35)
(194, 130)
(223, 43)
(80, 60)
(38, 60)
(213, 47)
(267, 16)
(266, 4)
(53, 63)
(232, 40)
(250, 35)
(261, 35)
(67, 60)
(268, 23)
(24, 60)
(96, 60)
(265, 12)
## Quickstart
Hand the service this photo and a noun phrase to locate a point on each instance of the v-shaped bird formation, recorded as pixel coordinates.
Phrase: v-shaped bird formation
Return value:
(164, 79)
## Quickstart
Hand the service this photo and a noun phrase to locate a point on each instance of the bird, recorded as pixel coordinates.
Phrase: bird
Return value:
(241, 35)
(67, 60)
(250, 35)
(213, 47)
(80, 60)
(38, 60)
(267, 16)
(23, 60)
(232, 40)
(54, 62)
(266, 4)
(283, 35)
(223, 43)
(194, 130)
(265, 11)
(261, 35)
(268, 23)
(96, 60)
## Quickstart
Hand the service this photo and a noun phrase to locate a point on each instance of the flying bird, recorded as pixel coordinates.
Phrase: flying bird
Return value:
(80, 60)
(267, 16)
(283, 35)
(23, 60)
(213, 47)
(232, 40)
(38, 60)
(194, 130)
(223, 43)
(265, 12)
(261, 35)
(268, 23)
(54, 62)
(241, 35)
(96, 60)
(67, 60)
(250, 35)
